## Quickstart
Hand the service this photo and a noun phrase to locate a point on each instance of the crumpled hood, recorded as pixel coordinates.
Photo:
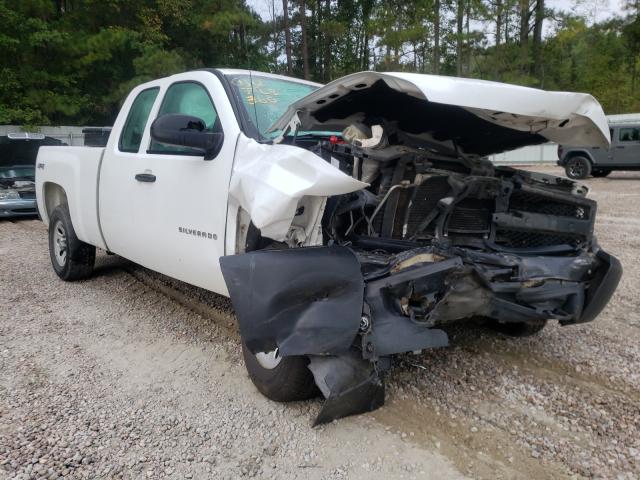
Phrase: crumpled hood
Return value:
(480, 116)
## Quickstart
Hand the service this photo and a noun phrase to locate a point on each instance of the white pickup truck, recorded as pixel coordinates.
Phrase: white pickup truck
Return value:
(348, 223)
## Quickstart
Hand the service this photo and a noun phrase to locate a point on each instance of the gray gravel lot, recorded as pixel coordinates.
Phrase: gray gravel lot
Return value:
(134, 375)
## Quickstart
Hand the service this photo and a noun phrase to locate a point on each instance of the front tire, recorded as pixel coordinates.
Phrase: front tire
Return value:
(578, 168)
(71, 258)
(282, 379)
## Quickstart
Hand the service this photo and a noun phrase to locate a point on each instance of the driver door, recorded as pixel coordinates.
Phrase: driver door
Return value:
(164, 207)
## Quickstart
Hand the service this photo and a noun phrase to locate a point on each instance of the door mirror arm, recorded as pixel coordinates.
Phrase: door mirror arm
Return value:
(187, 131)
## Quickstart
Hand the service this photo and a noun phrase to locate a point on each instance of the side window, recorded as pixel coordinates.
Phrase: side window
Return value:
(136, 120)
(629, 134)
(187, 98)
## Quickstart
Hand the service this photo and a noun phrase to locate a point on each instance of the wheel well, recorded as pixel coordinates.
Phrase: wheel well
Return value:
(579, 153)
(54, 195)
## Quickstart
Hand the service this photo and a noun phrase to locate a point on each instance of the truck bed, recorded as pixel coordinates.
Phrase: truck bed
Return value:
(75, 170)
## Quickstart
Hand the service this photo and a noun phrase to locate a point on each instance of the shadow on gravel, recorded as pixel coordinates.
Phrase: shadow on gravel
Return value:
(28, 218)
(472, 331)
(108, 264)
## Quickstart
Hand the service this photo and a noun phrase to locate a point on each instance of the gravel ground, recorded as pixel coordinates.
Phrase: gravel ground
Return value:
(133, 375)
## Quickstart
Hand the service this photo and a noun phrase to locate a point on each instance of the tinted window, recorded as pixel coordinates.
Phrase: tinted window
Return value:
(265, 99)
(131, 136)
(187, 98)
(629, 134)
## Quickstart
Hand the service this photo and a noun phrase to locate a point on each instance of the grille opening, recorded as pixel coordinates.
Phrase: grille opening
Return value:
(535, 203)
(471, 215)
(520, 239)
(24, 210)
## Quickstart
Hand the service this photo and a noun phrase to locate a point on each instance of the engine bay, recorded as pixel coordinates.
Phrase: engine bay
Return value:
(417, 196)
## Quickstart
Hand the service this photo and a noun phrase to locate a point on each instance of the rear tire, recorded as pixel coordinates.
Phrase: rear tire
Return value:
(520, 329)
(282, 379)
(71, 258)
(578, 168)
(600, 173)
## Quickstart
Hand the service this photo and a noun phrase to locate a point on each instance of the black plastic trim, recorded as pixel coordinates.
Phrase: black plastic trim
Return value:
(602, 287)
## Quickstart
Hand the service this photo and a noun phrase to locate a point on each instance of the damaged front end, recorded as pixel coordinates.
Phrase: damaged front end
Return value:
(319, 302)
(437, 236)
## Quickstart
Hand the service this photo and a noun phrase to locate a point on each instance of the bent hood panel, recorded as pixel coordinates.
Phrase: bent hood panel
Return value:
(569, 118)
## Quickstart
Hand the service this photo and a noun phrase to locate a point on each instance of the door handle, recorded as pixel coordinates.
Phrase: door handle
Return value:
(620, 146)
(145, 177)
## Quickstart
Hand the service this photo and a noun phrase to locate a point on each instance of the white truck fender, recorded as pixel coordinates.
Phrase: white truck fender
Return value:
(268, 181)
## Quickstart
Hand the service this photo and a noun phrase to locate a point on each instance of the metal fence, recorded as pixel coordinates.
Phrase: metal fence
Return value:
(68, 135)
(545, 153)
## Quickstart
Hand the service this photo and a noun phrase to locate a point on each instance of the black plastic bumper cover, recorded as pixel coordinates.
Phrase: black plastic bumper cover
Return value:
(350, 385)
(305, 301)
(601, 287)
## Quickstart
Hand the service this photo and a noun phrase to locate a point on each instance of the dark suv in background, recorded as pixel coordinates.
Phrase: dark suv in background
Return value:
(18, 153)
(623, 154)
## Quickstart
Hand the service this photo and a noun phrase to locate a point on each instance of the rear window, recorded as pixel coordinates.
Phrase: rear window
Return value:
(131, 136)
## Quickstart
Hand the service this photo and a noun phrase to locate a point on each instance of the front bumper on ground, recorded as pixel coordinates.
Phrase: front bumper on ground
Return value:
(18, 207)
(318, 302)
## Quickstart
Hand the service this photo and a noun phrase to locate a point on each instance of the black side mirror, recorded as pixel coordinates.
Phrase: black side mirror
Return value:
(186, 131)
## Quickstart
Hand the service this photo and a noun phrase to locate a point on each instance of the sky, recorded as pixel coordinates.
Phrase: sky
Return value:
(594, 10)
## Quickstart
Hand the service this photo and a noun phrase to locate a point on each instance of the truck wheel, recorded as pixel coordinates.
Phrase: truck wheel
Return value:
(72, 259)
(520, 329)
(600, 173)
(282, 379)
(578, 168)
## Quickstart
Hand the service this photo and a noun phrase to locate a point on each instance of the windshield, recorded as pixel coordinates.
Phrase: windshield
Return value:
(268, 98)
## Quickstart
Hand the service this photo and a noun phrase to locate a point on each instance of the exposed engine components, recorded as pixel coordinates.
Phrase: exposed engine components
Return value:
(363, 136)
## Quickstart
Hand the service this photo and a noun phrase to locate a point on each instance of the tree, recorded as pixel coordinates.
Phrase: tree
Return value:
(436, 38)
(287, 36)
(460, 4)
(303, 33)
(537, 38)
(73, 61)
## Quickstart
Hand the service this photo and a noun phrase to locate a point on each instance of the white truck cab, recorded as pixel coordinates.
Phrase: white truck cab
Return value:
(163, 207)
